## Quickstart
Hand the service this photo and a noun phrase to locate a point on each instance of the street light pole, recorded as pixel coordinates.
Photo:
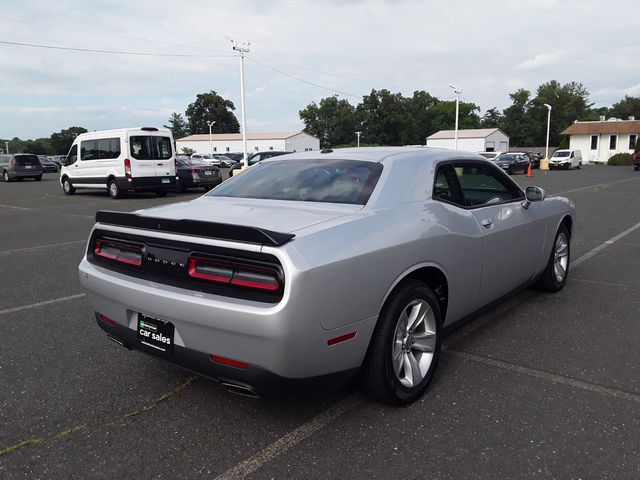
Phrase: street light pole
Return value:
(242, 50)
(457, 91)
(6, 144)
(358, 134)
(544, 165)
(210, 123)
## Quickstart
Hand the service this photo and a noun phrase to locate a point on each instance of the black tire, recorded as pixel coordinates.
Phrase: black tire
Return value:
(161, 193)
(377, 376)
(115, 191)
(548, 281)
(37, 179)
(67, 187)
(579, 165)
(5, 176)
(510, 170)
(208, 187)
(179, 187)
(636, 168)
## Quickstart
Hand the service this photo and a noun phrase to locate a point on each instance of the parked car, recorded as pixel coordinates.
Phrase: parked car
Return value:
(20, 166)
(121, 161)
(224, 160)
(566, 159)
(253, 159)
(534, 159)
(48, 165)
(202, 156)
(194, 173)
(489, 155)
(512, 162)
(55, 159)
(636, 161)
(323, 267)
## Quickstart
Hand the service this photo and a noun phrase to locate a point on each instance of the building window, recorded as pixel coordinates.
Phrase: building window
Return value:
(270, 148)
(613, 140)
(255, 148)
(594, 142)
(227, 149)
(215, 149)
(632, 141)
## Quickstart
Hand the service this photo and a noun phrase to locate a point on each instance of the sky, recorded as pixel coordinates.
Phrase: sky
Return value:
(301, 51)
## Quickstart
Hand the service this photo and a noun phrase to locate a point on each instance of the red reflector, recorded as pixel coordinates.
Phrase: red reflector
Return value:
(229, 361)
(108, 320)
(341, 338)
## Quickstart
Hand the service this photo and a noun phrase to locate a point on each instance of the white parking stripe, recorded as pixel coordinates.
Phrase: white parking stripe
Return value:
(590, 187)
(40, 304)
(541, 374)
(38, 247)
(17, 208)
(291, 439)
(604, 245)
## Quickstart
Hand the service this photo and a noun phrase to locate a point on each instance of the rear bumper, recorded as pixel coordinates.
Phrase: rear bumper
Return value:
(147, 184)
(255, 379)
(188, 181)
(27, 174)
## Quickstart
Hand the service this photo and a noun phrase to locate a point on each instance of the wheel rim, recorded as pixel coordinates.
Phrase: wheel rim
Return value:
(113, 189)
(6, 177)
(66, 186)
(561, 257)
(414, 343)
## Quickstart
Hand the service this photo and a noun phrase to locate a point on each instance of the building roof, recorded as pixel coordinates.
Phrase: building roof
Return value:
(466, 133)
(222, 137)
(609, 126)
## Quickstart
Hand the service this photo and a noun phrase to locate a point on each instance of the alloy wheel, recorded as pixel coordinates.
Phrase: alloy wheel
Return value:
(561, 257)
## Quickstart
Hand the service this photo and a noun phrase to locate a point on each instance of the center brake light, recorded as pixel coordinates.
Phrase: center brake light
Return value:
(119, 252)
(234, 273)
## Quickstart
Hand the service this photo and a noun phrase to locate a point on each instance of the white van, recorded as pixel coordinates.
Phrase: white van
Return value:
(566, 159)
(128, 159)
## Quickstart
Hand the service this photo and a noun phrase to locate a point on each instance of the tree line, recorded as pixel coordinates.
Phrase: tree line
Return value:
(386, 118)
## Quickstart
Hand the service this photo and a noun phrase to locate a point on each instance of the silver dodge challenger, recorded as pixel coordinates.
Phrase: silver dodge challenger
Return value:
(315, 268)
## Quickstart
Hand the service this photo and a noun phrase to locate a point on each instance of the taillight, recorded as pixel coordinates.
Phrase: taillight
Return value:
(234, 273)
(119, 252)
(13, 162)
(127, 168)
(194, 170)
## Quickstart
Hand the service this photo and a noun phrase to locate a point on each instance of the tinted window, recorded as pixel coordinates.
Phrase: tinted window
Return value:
(108, 148)
(72, 156)
(484, 185)
(561, 154)
(88, 150)
(145, 147)
(333, 181)
(446, 186)
(27, 160)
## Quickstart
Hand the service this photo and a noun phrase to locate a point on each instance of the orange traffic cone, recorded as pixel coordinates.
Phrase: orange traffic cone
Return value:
(530, 171)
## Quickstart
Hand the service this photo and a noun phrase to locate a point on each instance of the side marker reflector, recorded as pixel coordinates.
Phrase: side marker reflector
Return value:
(107, 320)
(341, 338)
(229, 361)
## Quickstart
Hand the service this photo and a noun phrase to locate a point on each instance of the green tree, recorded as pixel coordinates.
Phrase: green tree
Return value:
(629, 106)
(384, 117)
(443, 115)
(333, 121)
(418, 121)
(492, 118)
(516, 121)
(178, 126)
(212, 107)
(60, 142)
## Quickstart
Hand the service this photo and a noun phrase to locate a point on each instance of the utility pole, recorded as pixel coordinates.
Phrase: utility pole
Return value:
(545, 165)
(210, 123)
(358, 134)
(457, 91)
(242, 50)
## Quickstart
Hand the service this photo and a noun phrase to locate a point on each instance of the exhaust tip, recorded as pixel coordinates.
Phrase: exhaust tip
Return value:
(243, 390)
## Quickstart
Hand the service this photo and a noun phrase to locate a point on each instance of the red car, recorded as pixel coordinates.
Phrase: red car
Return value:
(636, 161)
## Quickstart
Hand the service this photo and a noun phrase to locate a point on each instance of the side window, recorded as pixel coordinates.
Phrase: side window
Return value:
(446, 186)
(88, 150)
(108, 148)
(72, 156)
(485, 185)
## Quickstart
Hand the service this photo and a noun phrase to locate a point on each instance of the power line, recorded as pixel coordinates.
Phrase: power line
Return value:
(113, 52)
(303, 80)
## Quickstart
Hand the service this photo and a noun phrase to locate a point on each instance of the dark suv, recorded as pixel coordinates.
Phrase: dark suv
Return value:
(20, 165)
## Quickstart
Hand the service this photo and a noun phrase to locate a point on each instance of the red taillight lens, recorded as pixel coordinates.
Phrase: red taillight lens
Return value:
(229, 361)
(194, 170)
(234, 273)
(119, 252)
(127, 168)
(107, 320)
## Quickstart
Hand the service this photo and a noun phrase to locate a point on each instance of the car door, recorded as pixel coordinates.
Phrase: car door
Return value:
(141, 153)
(513, 236)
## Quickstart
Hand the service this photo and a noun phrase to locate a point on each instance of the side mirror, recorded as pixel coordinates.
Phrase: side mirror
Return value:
(533, 194)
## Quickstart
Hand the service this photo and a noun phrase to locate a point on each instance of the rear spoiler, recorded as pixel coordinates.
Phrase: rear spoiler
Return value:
(223, 231)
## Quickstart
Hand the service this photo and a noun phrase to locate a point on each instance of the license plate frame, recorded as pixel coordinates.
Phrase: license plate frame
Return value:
(208, 172)
(155, 333)
(166, 180)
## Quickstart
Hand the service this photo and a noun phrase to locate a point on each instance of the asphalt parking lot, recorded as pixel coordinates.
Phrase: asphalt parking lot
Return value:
(544, 386)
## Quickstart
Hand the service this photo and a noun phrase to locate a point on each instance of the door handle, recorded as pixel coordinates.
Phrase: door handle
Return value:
(486, 222)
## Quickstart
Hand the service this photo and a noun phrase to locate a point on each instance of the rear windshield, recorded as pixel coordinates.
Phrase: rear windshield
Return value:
(147, 147)
(332, 181)
(27, 160)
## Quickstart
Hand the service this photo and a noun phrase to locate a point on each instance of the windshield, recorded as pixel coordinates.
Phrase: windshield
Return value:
(332, 181)
(561, 154)
(506, 157)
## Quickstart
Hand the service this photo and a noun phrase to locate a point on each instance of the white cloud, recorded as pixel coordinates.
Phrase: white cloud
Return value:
(541, 60)
(633, 91)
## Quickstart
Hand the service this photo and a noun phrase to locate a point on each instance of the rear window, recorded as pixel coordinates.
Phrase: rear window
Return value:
(332, 181)
(26, 160)
(147, 147)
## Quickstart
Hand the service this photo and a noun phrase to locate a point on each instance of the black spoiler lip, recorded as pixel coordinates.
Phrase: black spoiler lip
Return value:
(222, 231)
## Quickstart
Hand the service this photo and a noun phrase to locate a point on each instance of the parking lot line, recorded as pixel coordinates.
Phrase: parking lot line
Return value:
(541, 374)
(291, 439)
(38, 247)
(17, 208)
(40, 304)
(604, 245)
(591, 187)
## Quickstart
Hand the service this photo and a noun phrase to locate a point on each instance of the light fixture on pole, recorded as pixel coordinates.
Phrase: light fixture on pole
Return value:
(210, 123)
(358, 134)
(544, 164)
(242, 50)
(457, 91)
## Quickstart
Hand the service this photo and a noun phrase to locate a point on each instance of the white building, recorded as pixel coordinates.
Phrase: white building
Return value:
(600, 140)
(472, 140)
(256, 142)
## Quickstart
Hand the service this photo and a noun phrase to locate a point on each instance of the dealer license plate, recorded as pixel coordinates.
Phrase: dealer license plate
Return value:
(155, 333)
(28, 166)
(166, 180)
(208, 172)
